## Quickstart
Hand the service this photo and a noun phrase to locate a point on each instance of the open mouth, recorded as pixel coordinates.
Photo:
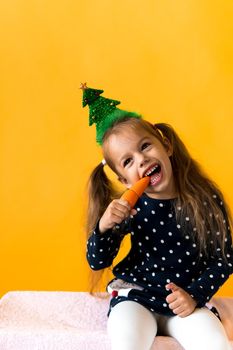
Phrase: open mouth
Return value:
(155, 174)
(154, 170)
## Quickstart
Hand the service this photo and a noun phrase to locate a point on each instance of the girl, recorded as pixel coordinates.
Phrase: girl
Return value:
(181, 248)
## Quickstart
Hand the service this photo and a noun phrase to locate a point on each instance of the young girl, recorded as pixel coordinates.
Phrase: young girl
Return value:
(181, 247)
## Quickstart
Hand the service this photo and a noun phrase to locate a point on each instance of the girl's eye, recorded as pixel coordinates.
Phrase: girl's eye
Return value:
(126, 162)
(145, 145)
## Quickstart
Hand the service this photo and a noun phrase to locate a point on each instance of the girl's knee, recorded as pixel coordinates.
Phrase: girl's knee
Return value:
(131, 326)
(201, 330)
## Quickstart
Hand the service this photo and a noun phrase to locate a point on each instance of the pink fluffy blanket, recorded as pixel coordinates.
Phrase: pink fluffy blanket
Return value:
(70, 320)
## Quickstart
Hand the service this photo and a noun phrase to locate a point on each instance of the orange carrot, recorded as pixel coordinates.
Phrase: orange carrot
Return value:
(134, 192)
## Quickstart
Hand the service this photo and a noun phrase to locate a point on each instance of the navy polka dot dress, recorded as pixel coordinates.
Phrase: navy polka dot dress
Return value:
(160, 253)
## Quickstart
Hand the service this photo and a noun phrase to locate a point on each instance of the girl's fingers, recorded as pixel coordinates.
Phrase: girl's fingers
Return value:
(179, 301)
(124, 203)
(178, 310)
(117, 219)
(119, 210)
(175, 304)
(133, 212)
(184, 314)
(171, 298)
(123, 207)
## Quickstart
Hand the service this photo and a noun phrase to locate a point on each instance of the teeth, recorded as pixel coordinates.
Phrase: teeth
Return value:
(151, 170)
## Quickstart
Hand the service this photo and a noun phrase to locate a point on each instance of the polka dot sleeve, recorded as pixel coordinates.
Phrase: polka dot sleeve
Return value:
(102, 248)
(216, 273)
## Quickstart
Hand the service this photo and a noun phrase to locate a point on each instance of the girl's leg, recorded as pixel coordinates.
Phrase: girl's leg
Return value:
(131, 326)
(201, 330)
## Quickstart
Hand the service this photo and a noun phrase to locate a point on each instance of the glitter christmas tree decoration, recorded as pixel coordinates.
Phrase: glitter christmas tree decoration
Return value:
(102, 111)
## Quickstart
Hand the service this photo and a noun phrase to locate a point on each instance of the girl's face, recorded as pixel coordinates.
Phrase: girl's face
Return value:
(136, 153)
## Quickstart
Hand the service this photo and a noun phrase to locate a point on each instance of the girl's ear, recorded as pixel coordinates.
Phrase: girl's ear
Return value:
(123, 181)
(168, 147)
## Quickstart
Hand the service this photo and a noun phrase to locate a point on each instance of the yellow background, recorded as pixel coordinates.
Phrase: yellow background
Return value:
(169, 60)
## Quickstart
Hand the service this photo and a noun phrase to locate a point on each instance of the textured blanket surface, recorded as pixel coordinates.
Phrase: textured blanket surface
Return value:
(70, 321)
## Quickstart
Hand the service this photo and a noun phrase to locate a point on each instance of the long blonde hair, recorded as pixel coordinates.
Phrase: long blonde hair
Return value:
(197, 193)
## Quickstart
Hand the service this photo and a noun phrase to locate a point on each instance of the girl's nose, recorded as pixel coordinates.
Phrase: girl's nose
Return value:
(143, 160)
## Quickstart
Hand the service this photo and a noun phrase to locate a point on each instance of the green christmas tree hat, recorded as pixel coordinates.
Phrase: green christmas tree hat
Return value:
(102, 111)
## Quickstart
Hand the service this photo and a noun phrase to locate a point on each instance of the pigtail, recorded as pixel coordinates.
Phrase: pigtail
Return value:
(100, 193)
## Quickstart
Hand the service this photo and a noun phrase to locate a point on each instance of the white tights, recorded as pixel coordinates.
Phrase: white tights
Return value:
(133, 327)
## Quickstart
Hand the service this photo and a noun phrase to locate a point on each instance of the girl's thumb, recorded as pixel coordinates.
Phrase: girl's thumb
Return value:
(172, 286)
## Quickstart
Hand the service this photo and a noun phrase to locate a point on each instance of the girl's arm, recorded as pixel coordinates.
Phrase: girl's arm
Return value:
(104, 243)
(211, 280)
(102, 248)
(217, 271)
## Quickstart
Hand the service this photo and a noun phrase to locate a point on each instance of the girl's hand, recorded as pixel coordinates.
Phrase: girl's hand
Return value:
(180, 302)
(116, 212)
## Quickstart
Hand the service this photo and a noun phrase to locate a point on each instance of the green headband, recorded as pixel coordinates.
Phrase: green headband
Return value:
(102, 111)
